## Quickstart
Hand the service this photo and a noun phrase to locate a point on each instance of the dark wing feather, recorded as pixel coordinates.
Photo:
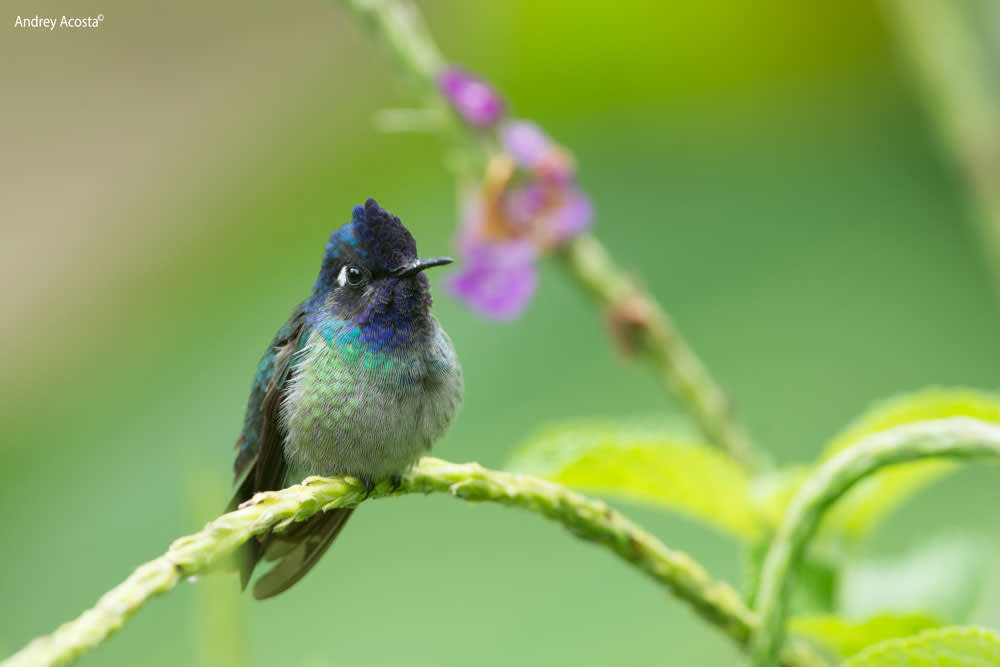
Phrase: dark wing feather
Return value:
(260, 460)
(268, 389)
(261, 466)
(299, 549)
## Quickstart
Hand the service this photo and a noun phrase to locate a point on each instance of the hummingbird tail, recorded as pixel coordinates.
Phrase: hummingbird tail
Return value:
(297, 550)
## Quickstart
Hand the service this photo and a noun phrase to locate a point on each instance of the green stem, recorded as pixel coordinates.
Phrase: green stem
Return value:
(947, 55)
(587, 518)
(401, 27)
(955, 438)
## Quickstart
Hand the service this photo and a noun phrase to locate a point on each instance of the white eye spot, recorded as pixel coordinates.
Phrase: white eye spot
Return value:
(342, 276)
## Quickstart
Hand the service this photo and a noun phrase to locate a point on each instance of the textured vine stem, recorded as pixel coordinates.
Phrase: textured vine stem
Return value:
(401, 27)
(587, 518)
(949, 57)
(954, 438)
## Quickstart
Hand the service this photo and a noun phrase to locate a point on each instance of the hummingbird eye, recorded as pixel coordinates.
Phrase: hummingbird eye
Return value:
(353, 275)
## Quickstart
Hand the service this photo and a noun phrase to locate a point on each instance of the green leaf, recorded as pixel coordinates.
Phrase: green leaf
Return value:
(942, 647)
(844, 638)
(652, 463)
(872, 499)
(944, 578)
(861, 509)
(929, 403)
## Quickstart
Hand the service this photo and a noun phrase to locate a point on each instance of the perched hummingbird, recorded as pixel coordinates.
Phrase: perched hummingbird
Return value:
(361, 380)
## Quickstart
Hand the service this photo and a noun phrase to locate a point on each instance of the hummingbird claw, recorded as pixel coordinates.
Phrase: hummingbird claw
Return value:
(369, 487)
(395, 482)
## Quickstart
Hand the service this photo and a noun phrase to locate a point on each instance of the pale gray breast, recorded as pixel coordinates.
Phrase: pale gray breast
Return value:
(369, 414)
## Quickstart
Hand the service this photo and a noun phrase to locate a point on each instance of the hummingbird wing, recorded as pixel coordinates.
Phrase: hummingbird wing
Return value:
(260, 466)
(260, 460)
(299, 549)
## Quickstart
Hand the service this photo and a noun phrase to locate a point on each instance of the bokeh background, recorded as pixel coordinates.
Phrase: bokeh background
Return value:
(168, 183)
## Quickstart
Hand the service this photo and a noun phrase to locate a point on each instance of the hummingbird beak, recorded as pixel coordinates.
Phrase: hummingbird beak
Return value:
(418, 265)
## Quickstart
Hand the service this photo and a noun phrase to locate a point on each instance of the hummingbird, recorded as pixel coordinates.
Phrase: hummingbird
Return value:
(361, 380)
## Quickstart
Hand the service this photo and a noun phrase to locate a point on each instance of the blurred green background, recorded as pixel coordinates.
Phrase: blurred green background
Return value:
(169, 181)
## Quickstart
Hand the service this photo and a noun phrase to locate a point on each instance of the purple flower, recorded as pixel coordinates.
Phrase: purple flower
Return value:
(496, 279)
(525, 142)
(570, 217)
(474, 99)
(552, 215)
(529, 203)
(532, 149)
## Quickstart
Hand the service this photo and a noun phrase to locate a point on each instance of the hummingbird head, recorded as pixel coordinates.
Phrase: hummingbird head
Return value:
(372, 278)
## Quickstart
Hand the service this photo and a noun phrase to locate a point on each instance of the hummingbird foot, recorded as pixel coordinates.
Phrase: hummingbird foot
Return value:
(369, 487)
(395, 483)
